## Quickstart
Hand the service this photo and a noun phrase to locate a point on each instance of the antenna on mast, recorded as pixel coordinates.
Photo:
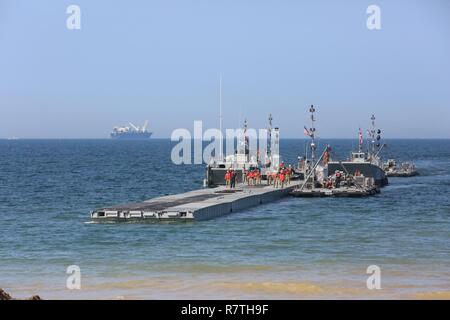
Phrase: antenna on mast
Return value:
(312, 131)
(220, 118)
(360, 140)
(372, 134)
(246, 140)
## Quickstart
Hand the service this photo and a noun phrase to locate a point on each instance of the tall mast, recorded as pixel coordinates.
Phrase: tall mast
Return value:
(372, 135)
(269, 136)
(246, 147)
(360, 140)
(220, 119)
(312, 131)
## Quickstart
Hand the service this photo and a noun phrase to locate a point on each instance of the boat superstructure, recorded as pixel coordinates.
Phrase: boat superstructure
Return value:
(244, 159)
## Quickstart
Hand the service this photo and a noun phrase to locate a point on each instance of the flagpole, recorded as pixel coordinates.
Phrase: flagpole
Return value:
(220, 119)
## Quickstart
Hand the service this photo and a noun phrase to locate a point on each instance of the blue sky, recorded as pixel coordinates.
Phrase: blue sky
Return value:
(161, 60)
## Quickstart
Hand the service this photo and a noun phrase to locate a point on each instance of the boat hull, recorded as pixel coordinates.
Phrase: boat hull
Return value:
(131, 136)
(401, 174)
(365, 168)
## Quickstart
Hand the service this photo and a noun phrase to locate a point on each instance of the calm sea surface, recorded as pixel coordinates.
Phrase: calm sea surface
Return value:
(294, 248)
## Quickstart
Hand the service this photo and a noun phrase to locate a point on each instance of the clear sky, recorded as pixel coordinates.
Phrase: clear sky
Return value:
(161, 60)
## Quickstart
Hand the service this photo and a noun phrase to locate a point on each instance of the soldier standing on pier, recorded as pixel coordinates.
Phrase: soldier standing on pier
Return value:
(338, 179)
(232, 179)
(282, 175)
(228, 178)
(289, 172)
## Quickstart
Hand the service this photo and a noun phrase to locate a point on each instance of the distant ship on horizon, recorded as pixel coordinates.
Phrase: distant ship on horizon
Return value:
(131, 132)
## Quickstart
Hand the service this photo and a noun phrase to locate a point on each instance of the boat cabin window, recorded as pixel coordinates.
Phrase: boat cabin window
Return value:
(358, 155)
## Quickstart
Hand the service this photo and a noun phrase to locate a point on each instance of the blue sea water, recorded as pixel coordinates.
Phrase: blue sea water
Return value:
(293, 248)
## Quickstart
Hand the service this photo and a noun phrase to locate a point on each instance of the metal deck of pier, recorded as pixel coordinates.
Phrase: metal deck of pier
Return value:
(195, 205)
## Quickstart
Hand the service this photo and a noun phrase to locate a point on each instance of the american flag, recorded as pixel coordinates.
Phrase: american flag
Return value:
(306, 132)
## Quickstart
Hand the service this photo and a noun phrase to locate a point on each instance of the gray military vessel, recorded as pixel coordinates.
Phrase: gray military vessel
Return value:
(367, 164)
(131, 132)
(324, 178)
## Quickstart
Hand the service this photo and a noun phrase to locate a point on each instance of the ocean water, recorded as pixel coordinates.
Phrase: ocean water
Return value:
(294, 248)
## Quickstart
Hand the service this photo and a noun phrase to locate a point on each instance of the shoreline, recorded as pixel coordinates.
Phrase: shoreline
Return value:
(171, 289)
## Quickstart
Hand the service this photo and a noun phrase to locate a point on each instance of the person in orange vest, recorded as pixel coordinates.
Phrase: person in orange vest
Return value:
(227, 178)
(250, 177)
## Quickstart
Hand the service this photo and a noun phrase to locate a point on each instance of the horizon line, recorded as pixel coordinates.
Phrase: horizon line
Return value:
(168, 138)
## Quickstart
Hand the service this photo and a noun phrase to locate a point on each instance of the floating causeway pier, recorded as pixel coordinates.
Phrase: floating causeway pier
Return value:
(199, 204)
